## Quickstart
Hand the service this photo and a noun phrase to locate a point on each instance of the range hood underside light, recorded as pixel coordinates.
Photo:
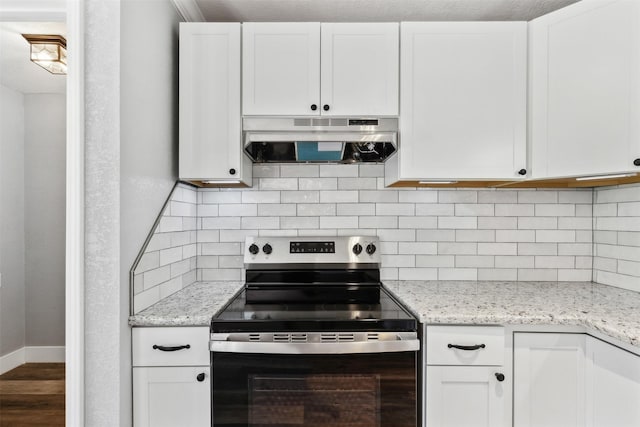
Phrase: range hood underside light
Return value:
(319, 151)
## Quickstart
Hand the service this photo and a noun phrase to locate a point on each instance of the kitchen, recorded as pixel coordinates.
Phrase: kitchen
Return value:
(445, 234)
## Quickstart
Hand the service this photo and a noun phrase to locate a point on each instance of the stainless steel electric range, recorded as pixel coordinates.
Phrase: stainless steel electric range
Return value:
(314, 339)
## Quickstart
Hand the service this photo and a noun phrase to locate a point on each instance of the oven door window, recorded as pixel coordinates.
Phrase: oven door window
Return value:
(267, 390)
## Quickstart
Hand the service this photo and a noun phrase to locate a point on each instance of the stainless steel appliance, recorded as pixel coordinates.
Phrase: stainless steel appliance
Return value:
(319, 140)
(314, 340)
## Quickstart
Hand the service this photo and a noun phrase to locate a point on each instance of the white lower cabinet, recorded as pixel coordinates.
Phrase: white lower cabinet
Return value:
(568, 380)
(466, 381)
(466, 396)
(549, 372)
(172, 396)
(171, 377)
(613, 386)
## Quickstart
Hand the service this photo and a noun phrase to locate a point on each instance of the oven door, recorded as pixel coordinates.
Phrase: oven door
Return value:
(346, 384)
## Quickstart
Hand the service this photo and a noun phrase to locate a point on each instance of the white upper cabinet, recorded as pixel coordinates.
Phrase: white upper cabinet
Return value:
(210, 132)
(360, 66)
(463, 101)
(285, 71)
(281, 68)
(585, 89)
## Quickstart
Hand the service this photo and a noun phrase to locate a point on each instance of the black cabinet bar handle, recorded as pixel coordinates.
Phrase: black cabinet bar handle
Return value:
(467, 347)
(163, 348)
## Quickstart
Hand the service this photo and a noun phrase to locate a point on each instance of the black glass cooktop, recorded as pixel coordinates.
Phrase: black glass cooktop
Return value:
(372, 310)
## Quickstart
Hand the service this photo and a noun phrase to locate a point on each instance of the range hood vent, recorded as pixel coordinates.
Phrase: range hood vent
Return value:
(319, 140)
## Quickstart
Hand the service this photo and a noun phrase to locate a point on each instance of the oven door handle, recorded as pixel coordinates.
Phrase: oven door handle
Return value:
(388, 346)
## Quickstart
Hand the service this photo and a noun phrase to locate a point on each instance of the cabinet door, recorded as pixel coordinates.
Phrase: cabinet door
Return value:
(549, 372)
(585, 89)
(281, 68)
(613, 386)
(210, 131)
(465, 396)
(171, 396)
(463, 100)
(360, 64)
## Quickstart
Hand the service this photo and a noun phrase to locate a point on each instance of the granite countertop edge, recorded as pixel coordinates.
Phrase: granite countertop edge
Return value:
(611, 311)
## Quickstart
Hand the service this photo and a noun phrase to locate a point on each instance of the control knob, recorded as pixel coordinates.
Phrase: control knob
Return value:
(357, 249)
(254, 249)
(267, 249)
(371, 248)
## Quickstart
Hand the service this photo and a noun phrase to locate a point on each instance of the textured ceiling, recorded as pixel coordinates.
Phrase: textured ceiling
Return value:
(16, 70)
(376, 10)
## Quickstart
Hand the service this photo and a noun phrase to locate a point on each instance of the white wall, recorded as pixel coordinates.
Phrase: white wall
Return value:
(130, 162)
(44, 192)
(12, 246)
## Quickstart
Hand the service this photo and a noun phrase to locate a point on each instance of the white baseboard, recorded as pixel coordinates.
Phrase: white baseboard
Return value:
(31, 354)
(44, 354)
(12, 360)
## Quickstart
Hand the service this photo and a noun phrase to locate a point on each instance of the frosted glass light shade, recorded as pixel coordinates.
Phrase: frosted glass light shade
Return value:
(49, 52)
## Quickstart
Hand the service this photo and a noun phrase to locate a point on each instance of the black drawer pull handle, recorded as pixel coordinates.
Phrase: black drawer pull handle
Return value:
(201, 376)
(467, 347)
(163, 348)
(500, 376)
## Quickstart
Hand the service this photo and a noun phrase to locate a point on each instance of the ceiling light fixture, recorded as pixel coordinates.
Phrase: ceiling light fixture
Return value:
(597, 177)
(48, 51)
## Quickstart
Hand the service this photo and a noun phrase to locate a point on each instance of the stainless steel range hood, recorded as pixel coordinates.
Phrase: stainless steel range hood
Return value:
(319, 140)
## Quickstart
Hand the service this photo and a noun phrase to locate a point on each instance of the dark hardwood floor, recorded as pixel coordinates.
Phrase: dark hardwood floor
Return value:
(32, 395)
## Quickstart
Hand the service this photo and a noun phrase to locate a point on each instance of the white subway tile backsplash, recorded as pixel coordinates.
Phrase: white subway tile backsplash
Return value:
(497, 274)
(356, 209)
(474, 261)
(540, 196)
(465, 209)
(336, 222)
(316, 209)
(299, 171)
(371, 170)
(432, 209)
(555, 210)
(218, 197)
(378, 196)
(238, 210)
(497, 248)
(418, 222)
(307, 184)
(514, 210)
(406, 209)
(357, 183)
(457, 222)
(260, 197)
(497, 223)
(417, 248)
(457, 196)
(418, 196)
(340, 171)
(350, 196)
(497, 196)
(278, 183)
(221, 223)
(475, 236)
(446, 234)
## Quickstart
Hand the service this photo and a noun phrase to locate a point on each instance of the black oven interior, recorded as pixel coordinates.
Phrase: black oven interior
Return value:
(345, 390)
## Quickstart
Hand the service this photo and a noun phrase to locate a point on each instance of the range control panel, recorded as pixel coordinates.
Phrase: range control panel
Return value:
(312, 247)
(312, 250)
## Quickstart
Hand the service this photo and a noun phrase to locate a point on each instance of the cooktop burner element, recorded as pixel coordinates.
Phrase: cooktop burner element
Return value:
(313, 284)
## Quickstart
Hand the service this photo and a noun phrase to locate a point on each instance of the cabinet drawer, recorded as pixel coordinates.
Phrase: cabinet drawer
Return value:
(477, 345)
(164, 340)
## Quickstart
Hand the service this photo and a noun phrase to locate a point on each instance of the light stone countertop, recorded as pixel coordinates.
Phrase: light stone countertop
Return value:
(612, 311)
(194, 305)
